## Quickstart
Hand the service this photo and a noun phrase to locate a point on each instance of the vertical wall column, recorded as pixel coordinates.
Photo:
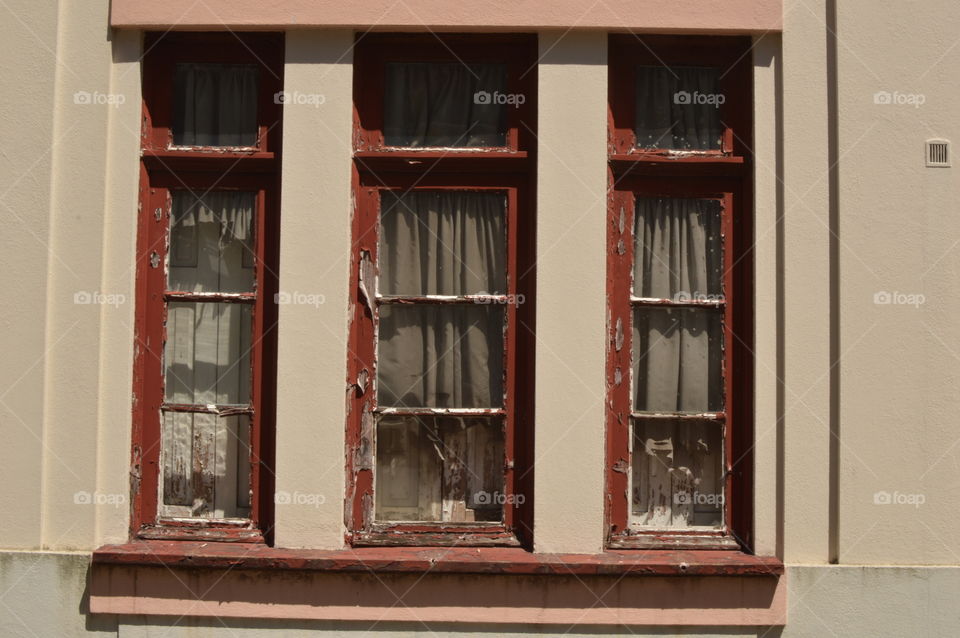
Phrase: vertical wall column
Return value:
(314, 269)
(806, 284)
(571, 303)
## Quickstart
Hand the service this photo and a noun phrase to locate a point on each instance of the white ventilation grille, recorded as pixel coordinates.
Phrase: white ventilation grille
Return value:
(938, 153)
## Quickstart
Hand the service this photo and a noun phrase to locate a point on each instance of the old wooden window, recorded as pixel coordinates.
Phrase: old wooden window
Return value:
(438, 431)
(206, 276)
(679, 287)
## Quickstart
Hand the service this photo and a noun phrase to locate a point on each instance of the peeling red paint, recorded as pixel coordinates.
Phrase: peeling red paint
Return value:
(462, 560)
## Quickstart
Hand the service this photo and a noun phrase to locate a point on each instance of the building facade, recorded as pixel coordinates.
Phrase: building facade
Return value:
(490, 318)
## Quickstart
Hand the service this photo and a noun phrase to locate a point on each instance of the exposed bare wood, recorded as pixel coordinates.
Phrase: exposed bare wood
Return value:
(679, 302)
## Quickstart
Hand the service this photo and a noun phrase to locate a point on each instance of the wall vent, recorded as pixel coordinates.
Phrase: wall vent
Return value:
(938, 153)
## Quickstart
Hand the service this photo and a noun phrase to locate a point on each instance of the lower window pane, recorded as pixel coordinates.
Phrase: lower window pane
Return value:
(677, 474)
(677, 360)
(440, 356)
(206, 465)
(439, 469)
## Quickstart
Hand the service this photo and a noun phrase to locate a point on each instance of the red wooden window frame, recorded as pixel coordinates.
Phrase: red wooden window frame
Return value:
(201, 169)
(723, 175)
(500, 169)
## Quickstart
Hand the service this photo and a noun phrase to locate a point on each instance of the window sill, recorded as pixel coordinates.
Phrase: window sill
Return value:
(454, 585)
(476, 560)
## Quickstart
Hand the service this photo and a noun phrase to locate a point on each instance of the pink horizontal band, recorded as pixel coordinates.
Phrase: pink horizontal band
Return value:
(714, 16)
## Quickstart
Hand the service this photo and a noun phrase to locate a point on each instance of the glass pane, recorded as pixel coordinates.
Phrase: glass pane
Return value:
(677, 474)
(439, 469)
(677, 360)
(445, 104)
(443, 243)
(440, 356)
(215, 105)
(679, 108)
(211, 242)
(207, 353)
(678, 252)
(206, 465)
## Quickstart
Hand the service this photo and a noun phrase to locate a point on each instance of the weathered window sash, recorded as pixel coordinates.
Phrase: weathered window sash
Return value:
(166, 168)
(710, 174)
(503, 169)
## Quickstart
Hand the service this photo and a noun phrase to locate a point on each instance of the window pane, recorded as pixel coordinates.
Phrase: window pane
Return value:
(439, 469)
(440, 356)
(678, 108)
(677, 474)
(207, 353)
(677, 360)
(215, 105)
(211, 242)
(679, 249)
(206, 465)
(443, 243)
(445, 104)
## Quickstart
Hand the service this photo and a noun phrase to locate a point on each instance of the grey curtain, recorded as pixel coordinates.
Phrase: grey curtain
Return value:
(665, 120)
(215, 105)
(677, 352)
(442, 104)
(444, 243)
(679, 248)
(211, 241)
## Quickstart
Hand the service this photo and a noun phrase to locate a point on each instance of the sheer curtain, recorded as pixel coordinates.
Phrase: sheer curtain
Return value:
(448, 243)
(215, 105)
(442, 243)
(444, 104)
(669, 114)
(211, 241)
(677, 351)
(678, 248)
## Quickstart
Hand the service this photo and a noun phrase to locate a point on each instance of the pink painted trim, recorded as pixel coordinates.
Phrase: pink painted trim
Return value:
(713, 16)
(649, 600)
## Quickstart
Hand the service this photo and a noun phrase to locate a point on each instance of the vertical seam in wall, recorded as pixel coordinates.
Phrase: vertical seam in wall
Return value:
(50, 304)
(833, 156)
(781, 403)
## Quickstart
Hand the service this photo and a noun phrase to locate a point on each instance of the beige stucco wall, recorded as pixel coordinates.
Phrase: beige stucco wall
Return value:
(68, 204)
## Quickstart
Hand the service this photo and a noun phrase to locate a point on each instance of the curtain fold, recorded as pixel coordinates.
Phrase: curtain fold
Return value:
(678, 248)
(211, 241)
(215, 105)
(670, 115)
(677, 359)
(442, 243)
(443, 104)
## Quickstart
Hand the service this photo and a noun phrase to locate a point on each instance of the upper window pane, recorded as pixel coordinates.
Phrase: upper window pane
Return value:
(443, 243)
(215, 105)
(678, 108)
(211, 242)
(445, 104)
(679, 249)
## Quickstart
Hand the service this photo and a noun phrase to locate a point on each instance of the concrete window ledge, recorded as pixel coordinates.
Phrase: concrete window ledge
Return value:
(502, 585)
